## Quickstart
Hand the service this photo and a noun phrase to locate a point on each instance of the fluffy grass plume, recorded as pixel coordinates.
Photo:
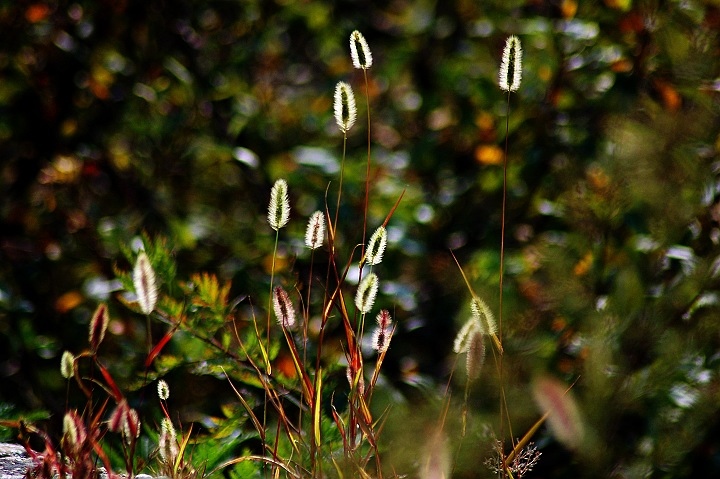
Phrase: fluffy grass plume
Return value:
(344, 105)
(144, 283)
(383, 332)
(67, 365)
(279, 207)
(552, 397)
(315, 233)
(511, 65)
(98, 326)
(376, 246)
(284, 310)
(360, 51)
(366, 293)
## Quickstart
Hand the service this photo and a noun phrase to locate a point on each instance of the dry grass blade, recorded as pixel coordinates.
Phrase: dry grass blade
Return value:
(316, 410)
(253, 417)
(307, 386)
(268, 460)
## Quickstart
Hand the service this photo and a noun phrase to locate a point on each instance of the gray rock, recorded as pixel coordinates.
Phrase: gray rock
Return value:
(14, 461)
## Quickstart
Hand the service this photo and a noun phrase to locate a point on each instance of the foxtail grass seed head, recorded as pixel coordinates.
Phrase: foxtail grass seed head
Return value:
(163, 390)
(67, 365)
(376, 246)
(366, 293)
(131, 425)
(144, 283)
(315, 233)
(98, 326)
(383, 333)
(511, 65)
(284, 310)
(168, 447)
(381, 339)
(564, 419)
(384, 320)
(481, 312)
(74, 433)
(345, 110)
(462, 341)
(125, 420)
(118, 416)
(475, 355)
(360, 51)
(279, 208)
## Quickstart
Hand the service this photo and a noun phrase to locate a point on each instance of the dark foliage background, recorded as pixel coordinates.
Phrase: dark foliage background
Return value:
(175, 117)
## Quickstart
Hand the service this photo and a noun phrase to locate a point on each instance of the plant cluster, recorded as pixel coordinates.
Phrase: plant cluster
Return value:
(609, 288)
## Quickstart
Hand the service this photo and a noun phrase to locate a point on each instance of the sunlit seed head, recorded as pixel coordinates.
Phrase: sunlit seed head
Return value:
(98, 326)
(344, 106)
(167, 427)
(144, 283)
(279, 207)
(482, 313)
(381, 339)
(67, 365)
(384, 320)
(315, 233)
(71, 434)
(163, 390)
(360, 51)
(115, 423)
(167, 447)
(376, 246)
(284, 310)
(511, 65)
(131, 425)
(462, 341)
(366, 293)
(475, 355)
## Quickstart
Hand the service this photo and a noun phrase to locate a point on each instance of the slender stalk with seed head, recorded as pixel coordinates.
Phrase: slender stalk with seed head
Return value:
(362, 59)
(509, 81)
(278, 217)
(146, 289)
(345, 114)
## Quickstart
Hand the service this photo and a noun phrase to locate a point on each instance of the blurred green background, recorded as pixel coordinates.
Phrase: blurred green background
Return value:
(174, 118)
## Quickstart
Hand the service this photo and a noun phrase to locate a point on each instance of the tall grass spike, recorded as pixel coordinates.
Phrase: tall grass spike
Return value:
(279, 208)
(366, 293)
(360, 51)
(376, 246)
(144, 283)
(284, 310)
(315, 233)
(511, 65)
(344, 105)
(98, 326)
(67, 365)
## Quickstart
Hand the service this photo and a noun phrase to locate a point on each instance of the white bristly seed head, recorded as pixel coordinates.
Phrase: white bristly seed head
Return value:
(344, 106)
(144, 283)
(163, 390)
(511, 65)
(284, 310)
(315, 233)
(366, 293)
(67, 365)
(279, 208)
(360, 51)
(376, 246)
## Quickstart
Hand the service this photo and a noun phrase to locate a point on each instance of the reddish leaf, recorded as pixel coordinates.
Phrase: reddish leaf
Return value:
(158, 347)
